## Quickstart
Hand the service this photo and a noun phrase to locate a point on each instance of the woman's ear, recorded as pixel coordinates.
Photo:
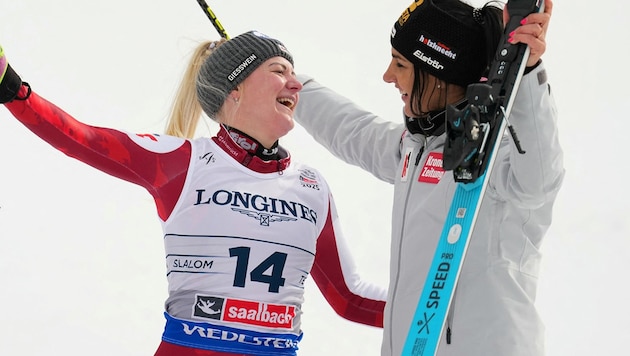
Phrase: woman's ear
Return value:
(235, 95)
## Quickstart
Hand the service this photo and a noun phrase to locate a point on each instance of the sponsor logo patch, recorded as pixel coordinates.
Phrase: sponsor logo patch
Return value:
(432, 170)
(437, 46)
(405, 167)
(428, 60)
(263, 209)
(308, 179)
(244, 312)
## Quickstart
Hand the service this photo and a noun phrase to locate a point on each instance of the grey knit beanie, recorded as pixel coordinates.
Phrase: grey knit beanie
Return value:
(230, 63)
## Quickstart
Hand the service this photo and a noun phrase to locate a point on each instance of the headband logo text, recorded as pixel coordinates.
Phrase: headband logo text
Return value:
(437, 46)
(428, 60)
(407, 13)
(249, 60)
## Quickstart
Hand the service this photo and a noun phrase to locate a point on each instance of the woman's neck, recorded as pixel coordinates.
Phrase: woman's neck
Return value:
(253, 146)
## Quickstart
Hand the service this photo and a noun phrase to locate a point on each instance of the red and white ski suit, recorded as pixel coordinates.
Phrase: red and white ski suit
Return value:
(241, 235)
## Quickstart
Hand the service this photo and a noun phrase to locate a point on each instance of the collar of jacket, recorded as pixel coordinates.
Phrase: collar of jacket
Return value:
(432, 124)
(253, 162)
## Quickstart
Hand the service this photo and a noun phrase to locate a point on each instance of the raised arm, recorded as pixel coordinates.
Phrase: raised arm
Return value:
(157, 163)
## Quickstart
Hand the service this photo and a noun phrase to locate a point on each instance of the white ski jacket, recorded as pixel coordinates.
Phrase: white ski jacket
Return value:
(493, 311)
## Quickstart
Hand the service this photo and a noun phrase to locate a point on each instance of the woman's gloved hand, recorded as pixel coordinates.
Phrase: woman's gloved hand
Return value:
(10, 82)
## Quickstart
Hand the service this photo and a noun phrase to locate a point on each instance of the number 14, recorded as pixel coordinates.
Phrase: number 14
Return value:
(276, 262)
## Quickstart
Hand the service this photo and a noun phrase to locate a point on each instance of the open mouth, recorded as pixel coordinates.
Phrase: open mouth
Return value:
(288, 102)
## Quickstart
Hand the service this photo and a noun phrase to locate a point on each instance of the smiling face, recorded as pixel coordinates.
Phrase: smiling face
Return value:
(263, 104)
(400, 72)
(419, 95)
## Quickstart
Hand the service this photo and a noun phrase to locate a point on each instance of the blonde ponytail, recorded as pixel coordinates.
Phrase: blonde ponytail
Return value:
(186, 110)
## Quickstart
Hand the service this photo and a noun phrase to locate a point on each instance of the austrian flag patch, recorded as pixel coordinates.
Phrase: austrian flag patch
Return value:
(245, 312)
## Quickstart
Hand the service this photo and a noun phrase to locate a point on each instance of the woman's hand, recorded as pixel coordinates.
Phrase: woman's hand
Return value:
(532, 32)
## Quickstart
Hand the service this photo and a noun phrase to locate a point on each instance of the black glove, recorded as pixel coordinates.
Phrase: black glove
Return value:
(10, 82)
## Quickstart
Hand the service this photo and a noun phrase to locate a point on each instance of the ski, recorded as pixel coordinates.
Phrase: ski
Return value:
(473, 134)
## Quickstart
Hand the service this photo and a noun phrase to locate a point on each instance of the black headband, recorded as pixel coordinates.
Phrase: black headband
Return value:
(440, 44)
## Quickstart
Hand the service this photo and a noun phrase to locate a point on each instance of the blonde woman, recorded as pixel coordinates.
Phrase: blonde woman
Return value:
(244, 226)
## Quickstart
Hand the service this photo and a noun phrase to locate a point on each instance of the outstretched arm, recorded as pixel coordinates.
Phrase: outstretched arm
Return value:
(156, 163)
(353, 134)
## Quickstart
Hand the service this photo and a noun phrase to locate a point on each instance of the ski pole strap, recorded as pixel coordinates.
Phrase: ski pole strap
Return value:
(213, 18)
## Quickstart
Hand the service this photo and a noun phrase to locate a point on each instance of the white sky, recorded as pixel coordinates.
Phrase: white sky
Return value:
(82, 258)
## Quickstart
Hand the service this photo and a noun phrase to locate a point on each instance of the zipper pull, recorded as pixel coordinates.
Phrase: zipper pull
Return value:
(419, 155)
(448, 335)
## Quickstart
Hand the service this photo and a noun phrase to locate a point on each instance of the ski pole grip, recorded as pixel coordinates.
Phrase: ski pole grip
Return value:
(519, 9)
(523, 8)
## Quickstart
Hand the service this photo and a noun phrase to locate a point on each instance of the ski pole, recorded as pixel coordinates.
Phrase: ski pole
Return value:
(213, 18)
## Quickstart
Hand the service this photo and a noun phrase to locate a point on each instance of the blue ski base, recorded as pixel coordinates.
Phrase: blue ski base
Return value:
(430, 316)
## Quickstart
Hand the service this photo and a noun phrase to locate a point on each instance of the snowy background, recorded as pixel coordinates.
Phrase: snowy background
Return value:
(82, 266)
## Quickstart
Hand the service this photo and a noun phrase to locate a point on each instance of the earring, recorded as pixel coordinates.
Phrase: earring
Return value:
(439, 86)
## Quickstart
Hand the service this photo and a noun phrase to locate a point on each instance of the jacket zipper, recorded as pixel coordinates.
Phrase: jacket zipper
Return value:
(418, 157)
(424, 146)
(420, 154)
(449, 319)
(449, 316)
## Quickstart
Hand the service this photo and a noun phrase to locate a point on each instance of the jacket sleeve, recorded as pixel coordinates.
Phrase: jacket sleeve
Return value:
(336, 276)
(349, 132)
(114, 152)
(533, 178)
